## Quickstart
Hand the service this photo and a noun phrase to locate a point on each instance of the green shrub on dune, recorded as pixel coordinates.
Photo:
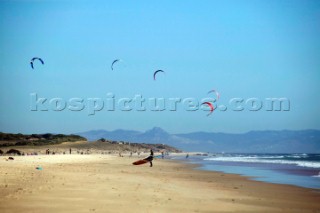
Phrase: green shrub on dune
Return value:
(8, 139)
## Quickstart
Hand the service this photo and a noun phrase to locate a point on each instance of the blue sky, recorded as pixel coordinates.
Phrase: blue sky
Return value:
(243, 49)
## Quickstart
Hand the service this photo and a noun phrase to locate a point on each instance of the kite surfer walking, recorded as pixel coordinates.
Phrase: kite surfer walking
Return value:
(150, 158)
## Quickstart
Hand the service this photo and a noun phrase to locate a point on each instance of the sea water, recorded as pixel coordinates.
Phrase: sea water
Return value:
(293, 169)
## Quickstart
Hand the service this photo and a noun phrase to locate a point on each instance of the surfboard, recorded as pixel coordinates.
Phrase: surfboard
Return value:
(139, 162)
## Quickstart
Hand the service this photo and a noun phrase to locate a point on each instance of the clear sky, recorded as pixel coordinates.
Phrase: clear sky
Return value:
(242, 49)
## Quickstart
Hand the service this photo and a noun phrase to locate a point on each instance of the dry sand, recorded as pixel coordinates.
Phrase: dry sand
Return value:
(105, 183)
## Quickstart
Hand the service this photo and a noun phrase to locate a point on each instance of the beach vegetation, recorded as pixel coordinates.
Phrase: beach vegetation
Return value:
(9, 139)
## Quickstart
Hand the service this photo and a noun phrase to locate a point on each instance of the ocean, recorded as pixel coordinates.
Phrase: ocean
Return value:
(294, 169)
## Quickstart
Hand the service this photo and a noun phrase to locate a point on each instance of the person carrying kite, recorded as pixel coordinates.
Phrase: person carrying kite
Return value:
(150, 158)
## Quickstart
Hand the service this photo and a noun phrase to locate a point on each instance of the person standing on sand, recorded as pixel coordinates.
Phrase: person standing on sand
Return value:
(70, 151)
(150, 158)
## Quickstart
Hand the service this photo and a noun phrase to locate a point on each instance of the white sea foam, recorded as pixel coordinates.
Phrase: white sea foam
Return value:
(264, 157)
(298, 156)
(251, 159)
(317, 176)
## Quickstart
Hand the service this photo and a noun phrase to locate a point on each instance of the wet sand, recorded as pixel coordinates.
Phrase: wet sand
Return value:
(106, 183)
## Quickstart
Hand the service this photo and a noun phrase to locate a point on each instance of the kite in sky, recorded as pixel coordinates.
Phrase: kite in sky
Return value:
(210, 105)
(35, 58)
(155, 73)
(216, 92)
(115, 61)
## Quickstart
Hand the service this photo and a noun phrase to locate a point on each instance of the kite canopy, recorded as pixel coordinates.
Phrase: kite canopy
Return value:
(35, 58)
(216, 92)
(210, 105)
(155, 73)
(115, 61)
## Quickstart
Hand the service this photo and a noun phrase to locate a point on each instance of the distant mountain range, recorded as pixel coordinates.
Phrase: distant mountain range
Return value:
(285, 141)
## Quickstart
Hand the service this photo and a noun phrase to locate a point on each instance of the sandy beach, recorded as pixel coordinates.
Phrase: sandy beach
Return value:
(108, 183)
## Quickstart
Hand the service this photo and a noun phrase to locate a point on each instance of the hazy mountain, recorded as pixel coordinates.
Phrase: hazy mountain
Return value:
(285, 141)
(118, 135)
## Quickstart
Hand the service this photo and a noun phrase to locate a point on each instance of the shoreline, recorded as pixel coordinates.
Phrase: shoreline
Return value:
(263, 173)
(197, 167)
(106, 183)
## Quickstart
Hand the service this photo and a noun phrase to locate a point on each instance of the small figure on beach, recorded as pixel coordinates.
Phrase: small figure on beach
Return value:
(162, 154)
(187, 155)
(150, 158)
(70, 151)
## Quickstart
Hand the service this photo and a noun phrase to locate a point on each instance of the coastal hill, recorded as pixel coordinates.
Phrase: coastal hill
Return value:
(8, 139)
(60, 143)
(284, 141)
